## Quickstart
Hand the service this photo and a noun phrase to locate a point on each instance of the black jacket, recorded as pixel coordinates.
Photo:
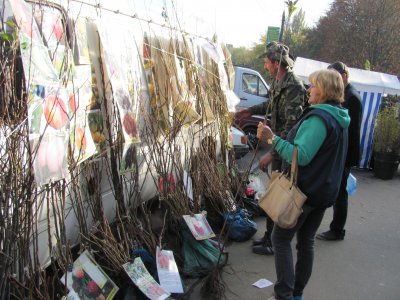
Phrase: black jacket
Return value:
(352, 101)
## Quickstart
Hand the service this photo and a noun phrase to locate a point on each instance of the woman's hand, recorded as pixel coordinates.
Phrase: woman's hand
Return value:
(264, 133)
(265, 161)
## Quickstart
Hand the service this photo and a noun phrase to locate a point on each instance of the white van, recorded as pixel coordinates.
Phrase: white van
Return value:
(250, 87)
(90, 35)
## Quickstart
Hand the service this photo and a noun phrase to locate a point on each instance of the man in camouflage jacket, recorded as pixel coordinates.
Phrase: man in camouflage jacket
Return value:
(287, 97)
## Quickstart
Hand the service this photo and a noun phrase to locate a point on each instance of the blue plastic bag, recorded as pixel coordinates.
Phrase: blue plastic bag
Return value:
(241, 228)
(351, 185)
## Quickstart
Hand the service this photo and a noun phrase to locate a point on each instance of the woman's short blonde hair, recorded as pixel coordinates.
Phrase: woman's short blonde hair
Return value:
(330, 84)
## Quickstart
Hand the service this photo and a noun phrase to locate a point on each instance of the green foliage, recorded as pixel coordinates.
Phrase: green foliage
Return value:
(6, 36)
(387, 131)
(249, 57)
(296, 33)
(8, 39)
(367, 65)
(11, 24)
(291, 6)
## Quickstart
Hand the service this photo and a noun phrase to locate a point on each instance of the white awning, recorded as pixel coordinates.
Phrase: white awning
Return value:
(361, 79)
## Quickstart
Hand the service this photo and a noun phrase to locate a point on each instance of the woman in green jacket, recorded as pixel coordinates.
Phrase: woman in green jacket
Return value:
(320, 136)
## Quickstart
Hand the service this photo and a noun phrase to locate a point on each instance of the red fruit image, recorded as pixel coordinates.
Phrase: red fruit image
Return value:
(55, 111)
(57, 28)
(199, 229)
(129, 124)
(78, 273)
(80, 139)
(169, 183)
(92, 288)
(24, 18)
(73, 103)
(163, 261)
(146, 50)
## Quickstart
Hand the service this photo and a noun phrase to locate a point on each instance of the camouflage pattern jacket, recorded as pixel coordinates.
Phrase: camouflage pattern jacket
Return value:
(287, 99)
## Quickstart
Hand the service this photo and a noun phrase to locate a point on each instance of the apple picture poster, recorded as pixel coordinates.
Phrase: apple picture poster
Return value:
(123, 66)
(199, 226)
(56, 111)
(87, 280)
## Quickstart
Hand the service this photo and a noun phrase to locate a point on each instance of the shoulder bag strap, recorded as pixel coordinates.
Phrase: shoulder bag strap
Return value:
(294, 167)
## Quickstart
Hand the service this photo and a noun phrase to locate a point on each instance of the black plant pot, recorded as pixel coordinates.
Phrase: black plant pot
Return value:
(385, 165)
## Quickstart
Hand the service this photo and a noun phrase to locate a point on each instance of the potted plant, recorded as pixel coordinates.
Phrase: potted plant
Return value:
(387, 143)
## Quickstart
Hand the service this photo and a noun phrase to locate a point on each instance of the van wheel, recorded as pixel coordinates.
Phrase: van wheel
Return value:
(251, 134)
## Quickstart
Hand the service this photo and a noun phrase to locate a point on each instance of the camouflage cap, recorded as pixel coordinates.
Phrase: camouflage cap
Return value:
(340, 67)
(278, 51)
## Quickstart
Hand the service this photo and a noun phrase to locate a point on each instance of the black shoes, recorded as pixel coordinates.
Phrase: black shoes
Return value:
(331, 235)
(259, 241)
(263, 246)
(263, 249)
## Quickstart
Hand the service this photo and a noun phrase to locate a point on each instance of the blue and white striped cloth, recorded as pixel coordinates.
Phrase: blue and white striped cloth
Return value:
(370, 107)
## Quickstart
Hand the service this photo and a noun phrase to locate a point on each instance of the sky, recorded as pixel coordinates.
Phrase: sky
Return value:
(237, 22)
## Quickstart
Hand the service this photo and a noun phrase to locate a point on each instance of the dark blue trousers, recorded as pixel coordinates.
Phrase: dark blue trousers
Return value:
(291, 279)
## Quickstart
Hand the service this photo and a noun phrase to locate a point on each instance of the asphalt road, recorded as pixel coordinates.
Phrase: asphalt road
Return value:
(365, 265)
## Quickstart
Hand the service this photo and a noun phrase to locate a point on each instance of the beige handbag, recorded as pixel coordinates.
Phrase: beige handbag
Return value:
(283, 200)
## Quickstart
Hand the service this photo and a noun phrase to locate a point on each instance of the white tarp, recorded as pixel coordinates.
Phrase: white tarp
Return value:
(371, 86)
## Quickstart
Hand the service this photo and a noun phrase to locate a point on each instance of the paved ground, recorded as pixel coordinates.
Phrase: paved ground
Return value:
(366, 265)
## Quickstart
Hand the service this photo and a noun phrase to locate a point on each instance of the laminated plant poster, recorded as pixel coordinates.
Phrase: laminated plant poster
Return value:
(199, 226)
(144, 281)
(87, 280)
(168, 273)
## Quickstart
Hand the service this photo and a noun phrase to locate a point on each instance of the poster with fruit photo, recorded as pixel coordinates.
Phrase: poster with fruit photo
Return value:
(127, 164)
(87, 280)
(79, 99)
(51, 24)
(47, 101)
(199, 226)
(139, 275)
(48, 132)
(96, 126)
(82, 143)
(50, 157)
(82, 49)
(184, 101)
(168, 272)
(50, 21)
(38, 68)
(123, 67)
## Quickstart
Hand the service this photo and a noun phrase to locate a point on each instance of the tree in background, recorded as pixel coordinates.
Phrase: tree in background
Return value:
(355, 31)
(291, 8)
(296, 33)
(249, 58)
